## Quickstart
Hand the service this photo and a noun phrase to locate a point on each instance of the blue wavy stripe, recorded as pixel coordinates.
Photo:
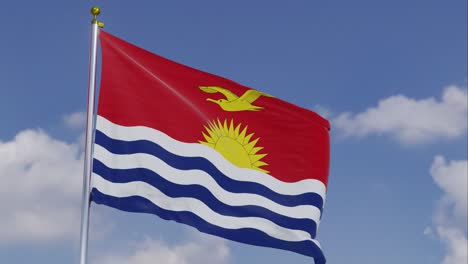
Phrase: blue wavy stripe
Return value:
(199, 163)
(250, 236)
(201, 193)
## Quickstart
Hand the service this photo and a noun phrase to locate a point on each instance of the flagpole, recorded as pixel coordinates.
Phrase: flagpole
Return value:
(95, 24)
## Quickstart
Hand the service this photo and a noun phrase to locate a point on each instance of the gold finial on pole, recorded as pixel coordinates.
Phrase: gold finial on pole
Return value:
(95, 11)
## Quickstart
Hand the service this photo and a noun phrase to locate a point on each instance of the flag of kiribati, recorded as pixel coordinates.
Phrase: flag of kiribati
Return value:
(205, 151)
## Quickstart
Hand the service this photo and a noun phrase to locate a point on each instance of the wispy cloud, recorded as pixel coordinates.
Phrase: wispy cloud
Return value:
(200, 250)
(75, 120)
(451, 213)
(411, 121)
(323, 111)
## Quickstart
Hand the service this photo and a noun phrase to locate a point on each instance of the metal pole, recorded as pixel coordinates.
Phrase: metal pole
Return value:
(89, 137)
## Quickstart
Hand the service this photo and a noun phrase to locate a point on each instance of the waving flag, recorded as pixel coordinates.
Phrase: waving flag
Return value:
(205, 151)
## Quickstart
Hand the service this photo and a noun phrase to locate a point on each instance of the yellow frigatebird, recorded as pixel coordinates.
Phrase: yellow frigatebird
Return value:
(234, 103)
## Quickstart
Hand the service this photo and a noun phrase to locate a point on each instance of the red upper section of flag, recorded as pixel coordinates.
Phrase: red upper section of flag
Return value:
(139, 88)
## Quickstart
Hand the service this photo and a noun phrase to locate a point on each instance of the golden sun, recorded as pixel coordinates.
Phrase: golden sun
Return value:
(235, 145)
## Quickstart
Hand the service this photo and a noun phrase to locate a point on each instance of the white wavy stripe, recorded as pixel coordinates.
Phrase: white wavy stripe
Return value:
(124, 133)
(199, 177)
(185, 204)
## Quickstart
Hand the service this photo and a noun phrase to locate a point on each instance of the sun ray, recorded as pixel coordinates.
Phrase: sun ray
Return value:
(236, 131)
(262, 170)
(257, 157)
(215, 129)
(207, 144)
(241, 137)
(260, 163)
(255, 150)
(220, 127)
(249, 146)
(208, 139)
(247, 139)
(231, 130)
(225, 128)
(213, 135)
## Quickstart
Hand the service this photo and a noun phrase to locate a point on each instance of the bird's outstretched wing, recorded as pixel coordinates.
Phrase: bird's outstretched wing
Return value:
(252, 95)
(230, 96)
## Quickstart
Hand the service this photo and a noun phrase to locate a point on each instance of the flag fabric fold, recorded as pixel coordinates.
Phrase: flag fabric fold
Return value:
(201, 150)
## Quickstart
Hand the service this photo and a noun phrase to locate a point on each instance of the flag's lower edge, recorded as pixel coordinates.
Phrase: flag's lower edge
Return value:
(138, 204)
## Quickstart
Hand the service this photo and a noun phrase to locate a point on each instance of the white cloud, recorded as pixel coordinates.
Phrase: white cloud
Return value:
(452, 178)
(410, 120)
(41, 186)
(451, 213)
(457, 245)
(76, 120)
(203, 250)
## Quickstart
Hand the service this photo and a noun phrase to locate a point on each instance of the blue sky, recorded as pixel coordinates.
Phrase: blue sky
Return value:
(391, 76)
